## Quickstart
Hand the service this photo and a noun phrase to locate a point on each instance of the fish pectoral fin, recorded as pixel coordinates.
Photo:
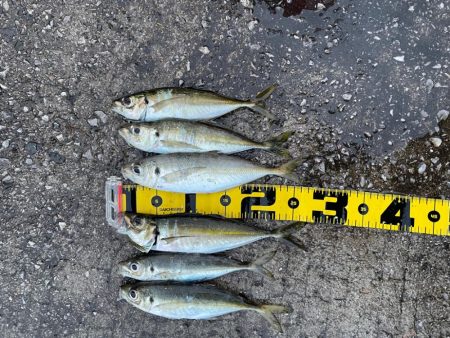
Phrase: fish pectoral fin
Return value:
(169, 240)
(178, 144)
(177, 99)
(182, 173)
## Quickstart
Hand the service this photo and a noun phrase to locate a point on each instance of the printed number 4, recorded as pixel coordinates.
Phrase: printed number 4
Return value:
(398, 213)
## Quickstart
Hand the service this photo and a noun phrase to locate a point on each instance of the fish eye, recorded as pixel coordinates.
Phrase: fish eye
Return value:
(126, 101)
(157, 171)
(132, 294)
(134, 266)
(136, 169)
(137, 221)
(136, 130)
(151, 299)
(157, 134)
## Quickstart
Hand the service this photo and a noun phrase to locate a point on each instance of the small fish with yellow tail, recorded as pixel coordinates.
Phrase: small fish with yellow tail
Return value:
(200, 172)
(198, 234)
(185, 104)
(178, 136)
(193, 302)
(177, 267)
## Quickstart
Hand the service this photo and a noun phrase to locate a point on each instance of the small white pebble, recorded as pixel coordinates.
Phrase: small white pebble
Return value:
(93, 122)
(320, 6)
(251, 25)
(347, 97)
(442, 115)
(422, 168)
(45, 118)
(62, 225)
(400, 58)
(204, 50)
(63, 94)
(60, 137)
(5, 143)
(436, 141)
(101, 115)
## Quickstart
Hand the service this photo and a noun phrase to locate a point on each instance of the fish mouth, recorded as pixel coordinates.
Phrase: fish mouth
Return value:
(122, 269)
(127, 220)
(123, 292)
(126, 172)
(123, 132)
(116, 107)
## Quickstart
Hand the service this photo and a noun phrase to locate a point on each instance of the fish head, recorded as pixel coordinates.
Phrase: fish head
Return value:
(134, 268)
(140, 230)
(131, 107)
(145, 173)
(136, 295)
(140, 136)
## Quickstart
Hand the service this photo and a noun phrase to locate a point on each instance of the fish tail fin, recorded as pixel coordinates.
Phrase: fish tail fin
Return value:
(284, 233)
(260, 108)
(257, 264)
(264, 94)
(275, 144)
(258, 104)
(287, 170)
(268, 311)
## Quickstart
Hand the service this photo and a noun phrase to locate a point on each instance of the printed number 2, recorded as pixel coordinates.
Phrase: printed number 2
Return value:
(398, 213)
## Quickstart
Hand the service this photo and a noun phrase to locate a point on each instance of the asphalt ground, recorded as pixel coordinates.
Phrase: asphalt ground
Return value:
(364, 85)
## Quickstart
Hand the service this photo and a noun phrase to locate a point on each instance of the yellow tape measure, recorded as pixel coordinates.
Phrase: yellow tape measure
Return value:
(288, 203)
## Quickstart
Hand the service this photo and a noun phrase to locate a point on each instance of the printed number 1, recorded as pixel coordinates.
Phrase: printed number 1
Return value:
(398, 213)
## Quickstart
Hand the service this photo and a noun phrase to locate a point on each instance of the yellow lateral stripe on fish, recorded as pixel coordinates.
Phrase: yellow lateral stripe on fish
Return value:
(294, 203)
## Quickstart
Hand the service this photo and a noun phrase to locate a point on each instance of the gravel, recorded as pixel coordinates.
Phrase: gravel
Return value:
(67, 61)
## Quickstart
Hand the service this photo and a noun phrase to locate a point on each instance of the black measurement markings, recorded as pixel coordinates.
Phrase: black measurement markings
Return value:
(267, 200)
(398, 213)
(156, 201)
(190, 201)
(130, 193)
(339, 207)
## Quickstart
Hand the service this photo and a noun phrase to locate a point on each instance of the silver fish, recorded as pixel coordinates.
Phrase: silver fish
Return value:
(193, 302)
(188, 268)
(198, 234)
(200, 173)
(178, 136)
(185, 104)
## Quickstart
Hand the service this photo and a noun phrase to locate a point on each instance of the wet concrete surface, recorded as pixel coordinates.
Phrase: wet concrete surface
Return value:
(363, 84)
